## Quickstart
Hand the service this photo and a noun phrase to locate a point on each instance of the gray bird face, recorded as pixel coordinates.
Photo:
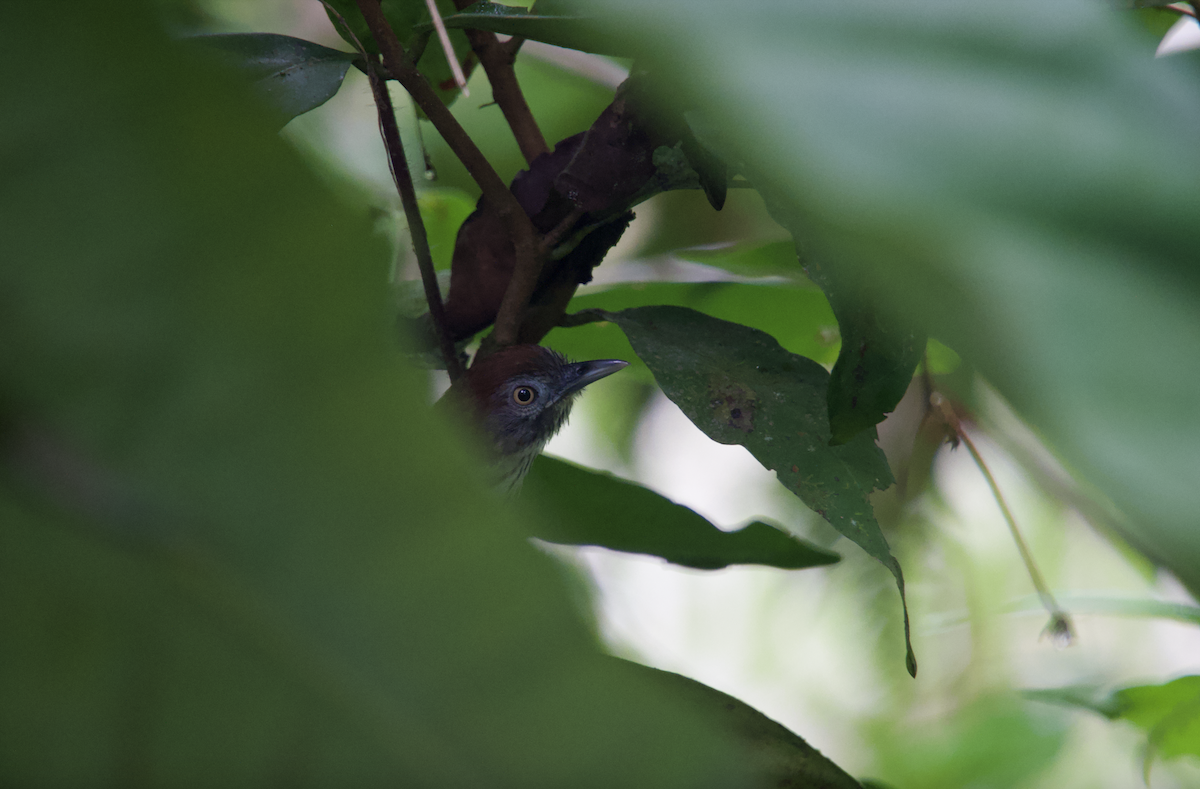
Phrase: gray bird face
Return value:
(532, 406)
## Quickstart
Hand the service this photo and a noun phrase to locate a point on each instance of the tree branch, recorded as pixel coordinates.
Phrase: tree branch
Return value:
(402, 177)
(1060, 622)
(521, 230)
(497, 61)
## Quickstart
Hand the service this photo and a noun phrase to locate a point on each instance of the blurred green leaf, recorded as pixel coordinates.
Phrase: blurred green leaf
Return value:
(443, 211)
(942, 360)
(740, 387)
(798, 317)
(235, 548)
(1113, 606)
(573, 31)
(1011, 177)
(1156, 21)
(586, 507)
(774, 258)
(783, 758)
(993, 743)
(406, 17)
(295, 75)
(1088, 697)
(878, 356)
(1170, 712)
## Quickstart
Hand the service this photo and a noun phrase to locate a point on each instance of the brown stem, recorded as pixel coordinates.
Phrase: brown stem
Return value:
(528, 264)
(402, 177)
(497, 60)
(1060, 622)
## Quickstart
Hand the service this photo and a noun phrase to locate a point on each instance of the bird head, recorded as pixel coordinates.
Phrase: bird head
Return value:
(521, 396)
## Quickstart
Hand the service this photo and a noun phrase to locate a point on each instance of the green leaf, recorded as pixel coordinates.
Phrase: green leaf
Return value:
(1112, 606)
(411, 23)
(1011, 178)
(1088, 697)
(236, 549)
(798, 317)
(1170, 712)
(573, 31)
(991, 741)
(585, 507)
(443, 212)
(774, 258)
(295, 75)
(877, 359)
(781, 757)
(740, 387)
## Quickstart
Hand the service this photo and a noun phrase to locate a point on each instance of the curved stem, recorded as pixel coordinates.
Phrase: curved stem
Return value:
(1060, 621)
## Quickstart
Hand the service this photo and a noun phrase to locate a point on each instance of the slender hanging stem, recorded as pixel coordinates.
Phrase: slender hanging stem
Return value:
(1060, 622)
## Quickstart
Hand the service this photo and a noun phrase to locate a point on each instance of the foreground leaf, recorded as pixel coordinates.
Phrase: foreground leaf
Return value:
(235, 549)
(876, 363)
(780, 757)
(1017, 178)
(740, 387)
(295, 75)
(585, 507)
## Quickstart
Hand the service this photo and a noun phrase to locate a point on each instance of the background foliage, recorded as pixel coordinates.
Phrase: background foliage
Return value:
(230, 526)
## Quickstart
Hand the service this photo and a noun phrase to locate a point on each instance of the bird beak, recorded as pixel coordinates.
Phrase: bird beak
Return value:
(590, 372)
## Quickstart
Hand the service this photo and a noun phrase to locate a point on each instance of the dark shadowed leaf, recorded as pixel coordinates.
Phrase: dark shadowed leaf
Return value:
(294, 74)
(740, 387)
(585, 507)
(782, 757)
(235, 547)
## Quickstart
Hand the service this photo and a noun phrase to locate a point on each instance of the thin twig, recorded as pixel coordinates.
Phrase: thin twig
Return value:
(527, 264)
(402, 177)
(1060, 622)
(447, 47)
(552, 239)
(1180, 8)
(582, 317)
(497, 60)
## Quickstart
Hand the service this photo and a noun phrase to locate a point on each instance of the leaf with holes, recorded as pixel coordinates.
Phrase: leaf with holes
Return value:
(740, 387)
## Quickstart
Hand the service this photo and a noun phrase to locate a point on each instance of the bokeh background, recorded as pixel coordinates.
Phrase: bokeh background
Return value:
(818, 650)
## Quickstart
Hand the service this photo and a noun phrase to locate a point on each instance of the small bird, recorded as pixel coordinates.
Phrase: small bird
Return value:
(521, 395)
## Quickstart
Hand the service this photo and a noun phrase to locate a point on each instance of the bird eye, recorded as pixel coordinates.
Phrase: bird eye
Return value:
(524, 395)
